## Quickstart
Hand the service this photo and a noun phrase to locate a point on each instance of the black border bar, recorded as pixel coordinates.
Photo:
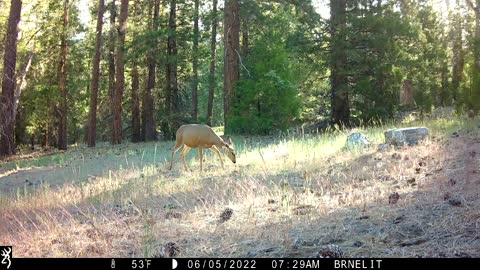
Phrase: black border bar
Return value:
(240, 263)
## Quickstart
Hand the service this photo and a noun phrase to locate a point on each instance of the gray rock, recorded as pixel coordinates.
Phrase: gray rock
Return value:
(356, 140)
(384, 147)
(402, 136)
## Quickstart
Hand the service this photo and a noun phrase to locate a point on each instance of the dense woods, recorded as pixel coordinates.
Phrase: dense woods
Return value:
(135, 70)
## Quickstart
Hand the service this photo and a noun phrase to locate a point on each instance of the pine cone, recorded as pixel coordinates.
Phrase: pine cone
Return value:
(393, 198)
(226, 215)
(169, 250)
(330, 251)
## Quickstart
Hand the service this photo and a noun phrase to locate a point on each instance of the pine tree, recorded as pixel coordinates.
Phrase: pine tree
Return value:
(92, 117)
(172, 100)
(340, 107)
(7, 143)
(211, 76)
(232, 51)
(63, 111)
(120, 74)
(195, 63)
(148, 122)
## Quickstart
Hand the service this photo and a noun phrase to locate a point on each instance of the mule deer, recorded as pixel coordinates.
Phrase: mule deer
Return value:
(201, 136)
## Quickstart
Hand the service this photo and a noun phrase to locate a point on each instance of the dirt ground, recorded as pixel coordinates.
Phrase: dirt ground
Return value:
(350, 203)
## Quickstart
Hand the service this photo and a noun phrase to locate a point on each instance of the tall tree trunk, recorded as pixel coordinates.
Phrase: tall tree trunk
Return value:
(477, 38)
(135, 105)
(442, 99)
(339, 99)
(148, 122)
(476, 70)
(120, 74)
(92, 114)
(195, 64)
(443, 95)
(244, 38)
(62, 126)
(111, 61)
(458, 54)
(19, 87)
(232, 47)
(172, 85)
(406, 94)
(46, 136)
(7, 124)
(211, 77)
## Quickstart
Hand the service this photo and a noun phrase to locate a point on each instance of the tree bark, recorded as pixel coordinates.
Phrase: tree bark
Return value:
(7, 124)
(458, 54)
(120, 74)
(172, 85)
(19, 87)
(211, 77)
(477, 38)
(244, 38)
(340, 109)
(476, 70)
(148, 123)
(231, 62)
(195, 64)
(62, 126)
(46, 136)
(135, 105)
(92, 114)
(443, 95)
(111, 60)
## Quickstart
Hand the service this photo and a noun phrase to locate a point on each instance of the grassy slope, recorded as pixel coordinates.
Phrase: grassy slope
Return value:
(289, 196)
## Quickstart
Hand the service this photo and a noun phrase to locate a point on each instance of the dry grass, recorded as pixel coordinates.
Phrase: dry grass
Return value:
(288, 197)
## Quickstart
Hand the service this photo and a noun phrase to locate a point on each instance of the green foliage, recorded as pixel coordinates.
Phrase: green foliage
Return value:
(40, 102)
(386, 46)
(307, 42)
(470, 89)
(284, 74)
(281, 75)
(428, 64)
(376, 61)
(474, 101)
(38, 107)
(267, 99)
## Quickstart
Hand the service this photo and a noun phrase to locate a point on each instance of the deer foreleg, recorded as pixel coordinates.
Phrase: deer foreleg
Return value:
(174, 150)
(215, 149)
(200, 152)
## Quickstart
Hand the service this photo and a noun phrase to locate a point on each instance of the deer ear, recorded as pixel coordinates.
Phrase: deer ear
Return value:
(228, 141)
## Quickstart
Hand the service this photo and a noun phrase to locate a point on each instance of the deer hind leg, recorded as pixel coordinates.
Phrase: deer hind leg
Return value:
(174, 150)
(215, 149)
(184, 152)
